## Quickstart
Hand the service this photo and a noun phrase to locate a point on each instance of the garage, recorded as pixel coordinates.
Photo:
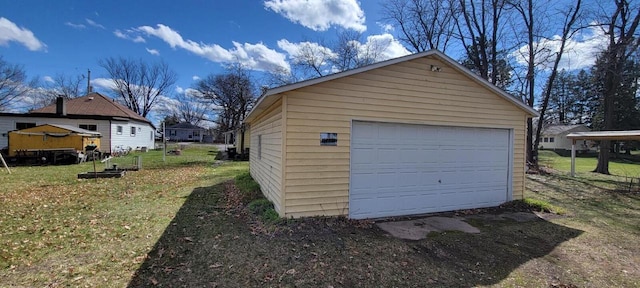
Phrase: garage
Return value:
(404, 169)
(407, 136)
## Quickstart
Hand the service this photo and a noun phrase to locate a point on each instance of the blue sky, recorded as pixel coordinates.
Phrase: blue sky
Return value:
(75, 35)
(197, 38)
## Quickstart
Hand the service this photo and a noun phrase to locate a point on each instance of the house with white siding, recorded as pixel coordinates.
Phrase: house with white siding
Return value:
(119, 126)
(412, 135)
(185, 131)
(554, 137)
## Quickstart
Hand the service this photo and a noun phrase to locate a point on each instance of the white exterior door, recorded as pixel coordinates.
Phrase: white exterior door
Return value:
(403, 169)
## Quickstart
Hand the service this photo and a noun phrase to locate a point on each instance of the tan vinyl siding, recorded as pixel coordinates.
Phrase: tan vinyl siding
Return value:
(267, 169)
(317, 177)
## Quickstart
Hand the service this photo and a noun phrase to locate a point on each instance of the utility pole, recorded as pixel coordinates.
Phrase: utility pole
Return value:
(88, 81)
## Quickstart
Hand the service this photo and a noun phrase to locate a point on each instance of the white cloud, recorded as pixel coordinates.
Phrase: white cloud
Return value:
(123, 35)
(381, 47)
(9, 31)
(48, 79)
(153, 51)
(320, 15)
(93, 23)
(386, 28)
(253, 56)
(104, 83)
(75, 26)
(385, 47)
(580, 51)
(179, 90)
(195, 77)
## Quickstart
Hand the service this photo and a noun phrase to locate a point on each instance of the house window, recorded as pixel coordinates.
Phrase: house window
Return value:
(328, 139)
(551, 139)
(196, 133)
(259, 146)
(151, 137)
(133, 131)
(545, 139)
(172, 132)
(119, 130)
(90, 127)
(24, 125)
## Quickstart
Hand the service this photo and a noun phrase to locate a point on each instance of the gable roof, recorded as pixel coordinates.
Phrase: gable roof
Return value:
(268, 99)
(94, 104)
(185, 125)
(559, 129)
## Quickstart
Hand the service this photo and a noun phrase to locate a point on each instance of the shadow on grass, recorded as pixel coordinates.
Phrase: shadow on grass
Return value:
(205, 246)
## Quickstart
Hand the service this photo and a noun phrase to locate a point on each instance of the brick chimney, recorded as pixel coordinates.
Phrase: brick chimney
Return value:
(61, 106)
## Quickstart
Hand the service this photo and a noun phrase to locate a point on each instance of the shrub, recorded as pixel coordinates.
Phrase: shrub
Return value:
(263, 208)
(249, 188)
(259, 206)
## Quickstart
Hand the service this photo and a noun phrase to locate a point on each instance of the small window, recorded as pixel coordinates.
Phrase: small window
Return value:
(259, 146)
(196, 133)
(328, 139)
(133, 131)
(545, 139)
(551, 139)
(172, 132)
(151, 137)
(24, 125)
(90, 127)
(119, 130)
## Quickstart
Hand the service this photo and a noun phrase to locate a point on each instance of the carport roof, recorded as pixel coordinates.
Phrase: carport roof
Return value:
(606, 135)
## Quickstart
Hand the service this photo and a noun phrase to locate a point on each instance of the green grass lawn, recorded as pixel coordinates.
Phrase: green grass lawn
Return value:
(174, 224)
(587, 164)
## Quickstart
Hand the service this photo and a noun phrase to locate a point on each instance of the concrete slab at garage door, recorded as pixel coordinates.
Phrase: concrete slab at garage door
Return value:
(405, 169)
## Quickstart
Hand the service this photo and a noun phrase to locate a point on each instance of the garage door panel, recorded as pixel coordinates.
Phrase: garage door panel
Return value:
(402, 169)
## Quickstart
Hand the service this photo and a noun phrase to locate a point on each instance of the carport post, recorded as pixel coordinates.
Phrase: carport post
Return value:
(573, 157)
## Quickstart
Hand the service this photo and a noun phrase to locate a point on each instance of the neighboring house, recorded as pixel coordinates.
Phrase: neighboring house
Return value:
(185, 132)
(411, 135)
(554, 137)
(118, 125)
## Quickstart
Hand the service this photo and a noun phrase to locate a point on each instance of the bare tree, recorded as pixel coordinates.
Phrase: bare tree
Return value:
(12, 83)
(478, 28)
(188, 107)
(352, 51)
(568, 30)
(67, 86)
(423, 24)
(621, 29)
(232, 94)
(137, 83)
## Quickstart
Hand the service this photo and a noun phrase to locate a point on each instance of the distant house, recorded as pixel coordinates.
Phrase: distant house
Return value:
(118, 125)
(554, 137)
(185, 132)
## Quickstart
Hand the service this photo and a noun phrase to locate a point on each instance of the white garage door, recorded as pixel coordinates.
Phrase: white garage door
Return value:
(402, 169)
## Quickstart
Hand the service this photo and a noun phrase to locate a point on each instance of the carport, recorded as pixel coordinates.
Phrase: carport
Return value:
(598, 136)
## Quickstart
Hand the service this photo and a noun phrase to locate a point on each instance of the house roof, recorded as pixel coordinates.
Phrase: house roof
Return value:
(185, 125)
(94, 104)
(606, 135)
(267, 99)
(559, 129)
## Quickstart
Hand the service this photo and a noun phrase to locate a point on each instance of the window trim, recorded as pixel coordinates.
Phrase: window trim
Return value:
(133, 131)
(119, 129)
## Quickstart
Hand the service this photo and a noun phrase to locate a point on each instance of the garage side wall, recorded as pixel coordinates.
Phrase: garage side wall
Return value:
(317, 177)
(266, 153)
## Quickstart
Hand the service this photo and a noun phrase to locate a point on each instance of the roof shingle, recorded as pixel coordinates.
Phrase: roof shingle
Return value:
(94, 104)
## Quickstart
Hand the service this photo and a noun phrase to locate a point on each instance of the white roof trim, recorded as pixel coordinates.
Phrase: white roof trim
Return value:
(445, 58)
(606, 135)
